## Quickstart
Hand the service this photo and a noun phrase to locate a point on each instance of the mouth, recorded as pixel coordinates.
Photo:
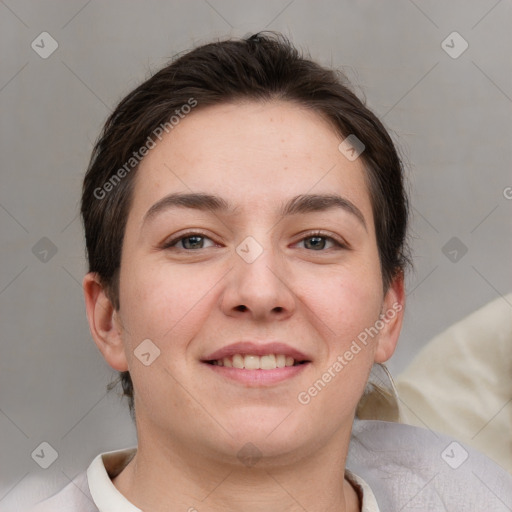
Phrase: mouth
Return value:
(255, 362)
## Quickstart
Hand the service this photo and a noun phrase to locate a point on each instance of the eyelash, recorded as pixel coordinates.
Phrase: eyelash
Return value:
(173, 241)
(320, 234)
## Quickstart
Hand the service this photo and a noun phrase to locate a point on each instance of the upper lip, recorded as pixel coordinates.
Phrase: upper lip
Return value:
(257, 349)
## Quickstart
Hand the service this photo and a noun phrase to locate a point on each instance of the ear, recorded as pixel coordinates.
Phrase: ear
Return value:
(392, 315)
(104, 322)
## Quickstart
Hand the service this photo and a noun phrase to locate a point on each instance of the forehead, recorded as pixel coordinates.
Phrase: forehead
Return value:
(254, 154)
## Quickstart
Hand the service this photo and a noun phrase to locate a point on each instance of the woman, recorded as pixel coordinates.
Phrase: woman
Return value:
(245, 221)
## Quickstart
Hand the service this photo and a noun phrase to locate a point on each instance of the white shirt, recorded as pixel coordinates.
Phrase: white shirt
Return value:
(93, 491)
(393, 466)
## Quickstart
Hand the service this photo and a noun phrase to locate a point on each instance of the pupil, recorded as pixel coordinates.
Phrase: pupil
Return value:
(316, 244)
(196, 242)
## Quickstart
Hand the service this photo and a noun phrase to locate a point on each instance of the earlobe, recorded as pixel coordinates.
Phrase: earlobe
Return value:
(103, 322)
(392, 317)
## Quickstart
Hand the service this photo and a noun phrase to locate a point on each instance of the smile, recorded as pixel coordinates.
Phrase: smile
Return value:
(255, 362)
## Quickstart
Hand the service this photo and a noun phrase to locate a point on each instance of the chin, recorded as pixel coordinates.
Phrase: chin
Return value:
(275, 432)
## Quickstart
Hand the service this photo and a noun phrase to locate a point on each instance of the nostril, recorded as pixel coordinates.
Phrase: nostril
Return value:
(241, 307)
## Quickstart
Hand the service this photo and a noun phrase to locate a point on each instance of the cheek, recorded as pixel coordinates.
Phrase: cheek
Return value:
(345, 308)
(168, 308)
(165, 304)
(345, 301)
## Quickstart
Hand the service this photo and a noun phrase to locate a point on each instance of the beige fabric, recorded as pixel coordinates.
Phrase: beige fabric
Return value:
(380, 399)
(460, 384)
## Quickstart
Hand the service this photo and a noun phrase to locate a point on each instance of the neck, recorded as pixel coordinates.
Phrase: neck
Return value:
(169, 477)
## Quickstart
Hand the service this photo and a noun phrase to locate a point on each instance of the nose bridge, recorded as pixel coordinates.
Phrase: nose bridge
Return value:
(257, 263)
(258, 279)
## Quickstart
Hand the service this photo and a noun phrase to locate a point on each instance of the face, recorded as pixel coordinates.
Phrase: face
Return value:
(256, 298)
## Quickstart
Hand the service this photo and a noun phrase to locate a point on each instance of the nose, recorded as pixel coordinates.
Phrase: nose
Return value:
(259, 289)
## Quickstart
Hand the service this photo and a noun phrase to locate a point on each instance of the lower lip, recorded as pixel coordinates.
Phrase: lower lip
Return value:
(258, 377)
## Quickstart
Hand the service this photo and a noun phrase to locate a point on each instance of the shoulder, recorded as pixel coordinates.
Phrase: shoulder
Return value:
(411, 468)
(74, 497)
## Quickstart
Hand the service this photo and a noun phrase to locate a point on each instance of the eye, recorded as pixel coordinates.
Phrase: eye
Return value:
(190, 241)
(320, 241)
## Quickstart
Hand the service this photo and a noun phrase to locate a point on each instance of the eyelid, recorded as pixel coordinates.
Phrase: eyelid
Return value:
(340, 242)
(173, 240)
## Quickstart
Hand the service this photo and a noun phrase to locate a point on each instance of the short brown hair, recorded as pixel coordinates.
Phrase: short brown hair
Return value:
(263, 67)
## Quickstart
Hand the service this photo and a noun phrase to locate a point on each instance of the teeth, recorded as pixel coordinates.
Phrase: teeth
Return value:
(238, 361)
(268, 362)
(280, 361)
(253, 362)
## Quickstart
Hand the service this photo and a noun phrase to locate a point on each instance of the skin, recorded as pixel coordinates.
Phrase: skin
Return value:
(191, 422)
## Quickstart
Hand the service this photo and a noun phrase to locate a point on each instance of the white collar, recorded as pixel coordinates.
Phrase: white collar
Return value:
(104, 493)
(369, 501)
(108, 499)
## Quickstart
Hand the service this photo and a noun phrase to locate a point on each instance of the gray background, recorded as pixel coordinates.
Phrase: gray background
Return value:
(452, 118)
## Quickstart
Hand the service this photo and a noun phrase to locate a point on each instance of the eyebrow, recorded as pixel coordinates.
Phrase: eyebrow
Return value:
(305, 203)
